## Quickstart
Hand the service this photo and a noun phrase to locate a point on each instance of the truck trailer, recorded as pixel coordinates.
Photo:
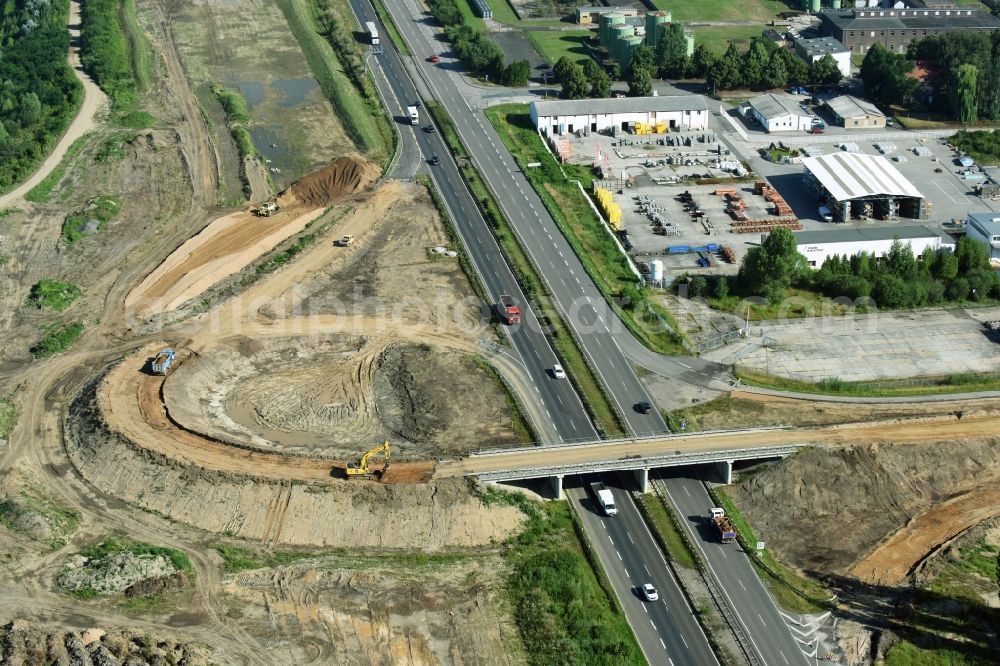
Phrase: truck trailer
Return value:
(372, 33)
(163, 361)
(604, 499)
(414, 115)
(508, 310)
(724, 526)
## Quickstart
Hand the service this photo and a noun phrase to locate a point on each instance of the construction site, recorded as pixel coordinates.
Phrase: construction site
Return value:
(255, 450)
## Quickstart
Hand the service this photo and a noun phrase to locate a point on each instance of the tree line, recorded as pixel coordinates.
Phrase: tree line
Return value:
(104, 52)
(480, 54)
(897, 280)
(38, 93)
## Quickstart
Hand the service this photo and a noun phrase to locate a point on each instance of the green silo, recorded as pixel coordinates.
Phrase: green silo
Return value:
(608, 23)
(689, 43)
(628, 47)
(814, 6)
(836, 4)
(656, 23)
(616, 35)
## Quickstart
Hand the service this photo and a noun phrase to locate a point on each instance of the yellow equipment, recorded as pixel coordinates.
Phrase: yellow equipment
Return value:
(362, 470)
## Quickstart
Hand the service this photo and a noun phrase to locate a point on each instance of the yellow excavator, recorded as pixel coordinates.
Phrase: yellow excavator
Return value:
(363, 470)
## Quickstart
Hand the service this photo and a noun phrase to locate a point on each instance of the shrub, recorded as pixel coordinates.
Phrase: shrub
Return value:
(53, 295)
(57, 340)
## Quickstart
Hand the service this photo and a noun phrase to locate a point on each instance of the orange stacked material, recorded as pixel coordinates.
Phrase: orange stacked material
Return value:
(758, 187)
(728, 254)
(767, 224)
(726, 193)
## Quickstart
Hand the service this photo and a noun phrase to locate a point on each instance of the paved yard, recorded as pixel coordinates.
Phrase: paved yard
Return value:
(880, 346)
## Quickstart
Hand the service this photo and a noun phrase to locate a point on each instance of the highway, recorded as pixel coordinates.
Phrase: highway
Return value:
(753, 605)
(670, 636)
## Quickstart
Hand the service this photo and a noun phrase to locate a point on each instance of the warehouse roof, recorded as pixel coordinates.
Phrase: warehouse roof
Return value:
(848, 106)
(820, 46)
(882, 19)
(862, 234)
(853, 175)
(609, 105)
(775, 106)
(988, 223)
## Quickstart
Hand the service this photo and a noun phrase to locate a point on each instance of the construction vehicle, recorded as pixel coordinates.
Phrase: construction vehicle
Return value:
(725, 527)
(364, 470)
(604, 499)
(345, 241)
(508, 310)
(266, 209)
(163, 361)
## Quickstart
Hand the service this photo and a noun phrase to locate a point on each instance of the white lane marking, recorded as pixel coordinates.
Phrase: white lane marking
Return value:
(684, 641)
(761, 620)
(646, 568)
(741, 584)
(547, 414)
(783, 656)
(684, 365)
(665, 647)
(577, 280)
(619, 554)
(651, 623)
(559, 398)
(723, 552)
(629, 535)
(687, 492)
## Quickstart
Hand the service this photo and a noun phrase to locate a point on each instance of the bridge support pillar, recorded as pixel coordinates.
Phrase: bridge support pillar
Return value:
(725, 469)
(557, 490)
(642, 479)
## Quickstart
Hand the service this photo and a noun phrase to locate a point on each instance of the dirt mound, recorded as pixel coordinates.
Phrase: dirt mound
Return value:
(342, 176)
(21, 643)
(838, 510)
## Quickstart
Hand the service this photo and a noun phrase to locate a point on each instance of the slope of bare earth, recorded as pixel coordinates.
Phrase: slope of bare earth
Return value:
(347, 514)
(375, 611)
(872, 511)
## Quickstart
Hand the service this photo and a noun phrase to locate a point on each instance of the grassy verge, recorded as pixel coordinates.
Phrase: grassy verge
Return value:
(8, 417)
(140, 52)
(667, 531)
(792, 591)
(957, 383)
(646, 318)
(53, 295)
(368, 129)
(519, 422)
(57, 339)
(717, 38)
(102, 209)
(236, 559)
(391, 28)
(569, 353)
(562, 603)
(40, 193)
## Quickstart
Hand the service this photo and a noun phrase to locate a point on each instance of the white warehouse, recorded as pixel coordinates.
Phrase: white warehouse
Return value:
(818, 246)
(617, 114)
(778, 113)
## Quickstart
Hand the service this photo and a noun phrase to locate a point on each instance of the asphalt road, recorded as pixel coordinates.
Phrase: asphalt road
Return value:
(666, 629)
(769, 635)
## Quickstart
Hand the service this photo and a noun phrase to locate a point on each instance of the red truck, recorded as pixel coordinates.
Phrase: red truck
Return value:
(508, 311)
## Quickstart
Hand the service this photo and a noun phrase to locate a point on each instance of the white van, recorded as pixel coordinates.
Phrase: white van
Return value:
(825, 214)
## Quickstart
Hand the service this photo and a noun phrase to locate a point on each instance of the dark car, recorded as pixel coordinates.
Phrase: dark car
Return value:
(643, 407)
(434, 161)
(430, 129)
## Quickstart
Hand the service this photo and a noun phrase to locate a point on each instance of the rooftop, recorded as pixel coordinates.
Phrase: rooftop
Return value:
(861, 234)
(854, 175)
(848, 106)
(775, 106)
(609, 105)
(988, 223)
(820, 46)
(881, 19)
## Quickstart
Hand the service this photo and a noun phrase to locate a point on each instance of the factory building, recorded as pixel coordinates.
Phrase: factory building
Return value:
(818, 246)
(863, 187)
(850, 112)
(860, 29)
(985, 228)
(812, 50)
(620, 114)
(778, 113)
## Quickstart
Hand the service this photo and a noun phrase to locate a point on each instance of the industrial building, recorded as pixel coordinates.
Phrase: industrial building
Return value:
(815, 49)
(592, 15)
(849, 111)
(620, 114)
(985, 228)
(622, 33)
(778, 113)
(818, 246)
(860, 186)
(895, 29)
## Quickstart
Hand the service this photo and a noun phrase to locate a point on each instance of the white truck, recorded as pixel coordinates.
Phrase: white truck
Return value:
(414, 115)
(604, 499)
(372, 32)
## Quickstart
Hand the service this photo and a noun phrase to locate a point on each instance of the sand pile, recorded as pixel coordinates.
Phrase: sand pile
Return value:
(344, 175)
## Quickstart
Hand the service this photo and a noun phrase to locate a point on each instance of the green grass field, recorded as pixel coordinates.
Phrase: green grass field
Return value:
(717, 38)
(554, 44)
(722, 10)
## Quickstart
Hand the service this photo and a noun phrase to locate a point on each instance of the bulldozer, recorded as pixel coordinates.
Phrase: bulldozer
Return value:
(266, 209)
(363, 470)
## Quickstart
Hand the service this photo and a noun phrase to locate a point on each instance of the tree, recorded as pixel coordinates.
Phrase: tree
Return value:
(516, 73)
(770, 268)
(600, 82)
(876, 68)
(775, 74)
(574, 82)
(722, 287)
(964, 97)
(726, 73)
(671, 53)
(640, 82)
(899, 261)
(642, 57)
(796, 68)
(30, 110)
(945, 266)
(825, 71)
(562, 68)
(890, 292)
(971, 254)
(754, 63)
(701, 61)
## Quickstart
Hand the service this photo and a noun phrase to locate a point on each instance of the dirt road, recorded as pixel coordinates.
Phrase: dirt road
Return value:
(85, 120)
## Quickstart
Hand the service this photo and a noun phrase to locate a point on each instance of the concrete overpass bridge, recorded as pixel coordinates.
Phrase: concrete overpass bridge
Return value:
(636, 455)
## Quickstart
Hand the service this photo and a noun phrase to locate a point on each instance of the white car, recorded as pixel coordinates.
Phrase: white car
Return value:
(825, 214)
(649, 592)
(558, 372)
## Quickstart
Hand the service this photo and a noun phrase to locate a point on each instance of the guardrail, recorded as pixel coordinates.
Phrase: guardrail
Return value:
(627, 463)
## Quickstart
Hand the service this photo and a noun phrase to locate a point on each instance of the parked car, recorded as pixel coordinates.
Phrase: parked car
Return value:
(825, 214)
(817, 130)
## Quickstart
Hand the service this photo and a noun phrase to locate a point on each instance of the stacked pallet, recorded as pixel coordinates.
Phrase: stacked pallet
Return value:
(728, 254)
(781, 208)
(764, 225)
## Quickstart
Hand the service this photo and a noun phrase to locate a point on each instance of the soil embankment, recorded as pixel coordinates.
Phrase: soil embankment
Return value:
(872, 511)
